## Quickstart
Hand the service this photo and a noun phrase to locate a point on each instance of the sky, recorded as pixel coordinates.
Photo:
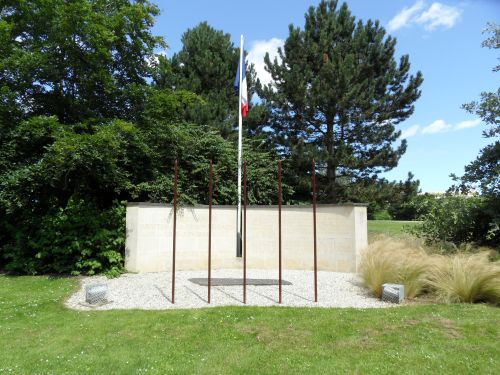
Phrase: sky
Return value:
(442, 38)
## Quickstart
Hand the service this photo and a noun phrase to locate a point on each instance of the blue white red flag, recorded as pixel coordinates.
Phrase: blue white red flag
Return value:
(243, 92)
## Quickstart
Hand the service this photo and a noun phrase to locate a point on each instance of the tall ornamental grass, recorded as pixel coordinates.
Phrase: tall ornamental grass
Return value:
(466, 278)
(394, 261)
(461, 277)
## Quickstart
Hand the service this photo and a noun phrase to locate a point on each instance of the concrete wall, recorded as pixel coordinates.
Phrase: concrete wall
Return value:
(341, 235)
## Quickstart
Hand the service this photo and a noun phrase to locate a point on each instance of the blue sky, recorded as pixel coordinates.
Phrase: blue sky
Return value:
(443, 39)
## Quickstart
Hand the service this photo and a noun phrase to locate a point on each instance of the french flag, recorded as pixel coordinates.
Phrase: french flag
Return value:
(243, 91)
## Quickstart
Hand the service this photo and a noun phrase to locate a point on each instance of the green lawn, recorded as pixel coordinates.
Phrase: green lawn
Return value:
(388, 227)
(39, 335)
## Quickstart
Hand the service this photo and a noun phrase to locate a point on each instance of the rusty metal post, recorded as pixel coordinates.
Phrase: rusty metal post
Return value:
(210, 192)
(245, 232)
(279, 226)
(176, 168)
(314, 231)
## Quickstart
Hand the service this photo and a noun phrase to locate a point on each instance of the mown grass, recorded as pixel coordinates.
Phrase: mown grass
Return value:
(39, 335)
(394, 228)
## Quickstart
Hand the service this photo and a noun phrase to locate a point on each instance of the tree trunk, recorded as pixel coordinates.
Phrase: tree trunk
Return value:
(331, 165)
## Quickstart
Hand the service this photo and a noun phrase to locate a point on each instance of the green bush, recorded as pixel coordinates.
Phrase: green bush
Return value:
(458, 220)
(382, 215)
(77, 239)
(413, 209)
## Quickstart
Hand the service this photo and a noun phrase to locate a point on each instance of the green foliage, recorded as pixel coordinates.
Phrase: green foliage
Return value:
(172, 106)
(75, 59)
(459, 220)
(194, 146)
(90, 115)
(337, 94)
(66, 166)
(102, 162)
(81, 128)
(69, 71)
(206, 65)
(391, 199)
(488, 108)
(382, 215)
(78, 238)
(484, 172)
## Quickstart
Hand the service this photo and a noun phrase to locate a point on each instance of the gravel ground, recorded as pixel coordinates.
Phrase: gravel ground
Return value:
(152, 291)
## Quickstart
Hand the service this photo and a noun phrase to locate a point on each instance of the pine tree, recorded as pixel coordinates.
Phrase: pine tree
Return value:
(337, 93)
(206, 65)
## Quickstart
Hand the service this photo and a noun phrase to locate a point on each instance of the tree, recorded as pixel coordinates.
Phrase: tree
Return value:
(484, 172)
(488, 108)
(77, 60)
(206, 65)
(392, 199)
(337, 87)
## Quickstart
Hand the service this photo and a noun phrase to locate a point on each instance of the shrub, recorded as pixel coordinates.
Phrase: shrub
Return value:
(466, 278)
(382, 215)
(458, 220)
(394, 261)
(80, 238)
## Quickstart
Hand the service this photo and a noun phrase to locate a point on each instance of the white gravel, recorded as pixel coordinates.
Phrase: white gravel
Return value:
(152, 291)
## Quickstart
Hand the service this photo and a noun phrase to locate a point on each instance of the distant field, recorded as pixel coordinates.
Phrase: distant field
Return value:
(388, 227)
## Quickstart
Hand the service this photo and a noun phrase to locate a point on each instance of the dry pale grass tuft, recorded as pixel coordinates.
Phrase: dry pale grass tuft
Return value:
(388, 260)
(465, 278)
(462, 277)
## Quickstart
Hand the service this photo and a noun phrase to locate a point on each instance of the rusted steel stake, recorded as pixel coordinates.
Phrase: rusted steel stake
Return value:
(210, 231)
(176, 168)
(245, 232)
(314, 231)
(279, 226)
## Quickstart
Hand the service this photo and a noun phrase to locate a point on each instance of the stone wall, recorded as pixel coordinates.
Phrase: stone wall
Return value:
(341, 235)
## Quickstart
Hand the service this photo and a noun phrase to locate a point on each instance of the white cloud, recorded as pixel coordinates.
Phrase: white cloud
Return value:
(409, 132)
(437, 14)
(256, 55)
(405, 16)
(438, 126)
(467, 124)
(153, 60)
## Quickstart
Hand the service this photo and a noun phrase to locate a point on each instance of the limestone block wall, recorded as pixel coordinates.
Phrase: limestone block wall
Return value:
(341, 236)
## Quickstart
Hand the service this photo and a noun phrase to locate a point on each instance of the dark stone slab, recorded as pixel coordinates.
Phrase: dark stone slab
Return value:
(227, 281)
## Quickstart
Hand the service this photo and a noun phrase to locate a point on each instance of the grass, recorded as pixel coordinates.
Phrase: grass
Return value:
(452, 278)
(39, 335)
(394, 228)
(466, 278)
(389, 260)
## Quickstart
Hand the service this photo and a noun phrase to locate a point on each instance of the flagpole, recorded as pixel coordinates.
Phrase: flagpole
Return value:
(240, 151)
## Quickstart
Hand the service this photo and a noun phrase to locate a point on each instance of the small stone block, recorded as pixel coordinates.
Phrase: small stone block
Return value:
(394, 293)
(96, 294)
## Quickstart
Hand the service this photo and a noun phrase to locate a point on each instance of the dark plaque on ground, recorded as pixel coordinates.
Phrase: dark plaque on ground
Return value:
(228, 281)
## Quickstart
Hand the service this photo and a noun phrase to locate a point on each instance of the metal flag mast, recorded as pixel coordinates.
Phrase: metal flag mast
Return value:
(240, 151)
